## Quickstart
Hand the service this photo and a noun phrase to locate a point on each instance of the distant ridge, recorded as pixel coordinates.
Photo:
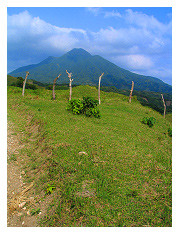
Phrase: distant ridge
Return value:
(86, 69)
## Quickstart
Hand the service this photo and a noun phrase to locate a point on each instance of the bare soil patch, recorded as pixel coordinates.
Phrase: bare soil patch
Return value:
(20, 196)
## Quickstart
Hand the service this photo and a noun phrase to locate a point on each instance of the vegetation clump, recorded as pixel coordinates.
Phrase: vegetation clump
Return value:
(49, 189)
(76, 106)
(87, 106)
(149, 121)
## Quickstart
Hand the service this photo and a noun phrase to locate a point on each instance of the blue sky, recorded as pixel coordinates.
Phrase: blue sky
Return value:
(136, 39)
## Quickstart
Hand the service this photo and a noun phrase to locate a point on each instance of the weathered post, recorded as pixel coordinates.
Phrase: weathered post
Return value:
(130, 96)
(99, 87)
(163, 105)
(70, 86)
(54, 82)
(24, 82)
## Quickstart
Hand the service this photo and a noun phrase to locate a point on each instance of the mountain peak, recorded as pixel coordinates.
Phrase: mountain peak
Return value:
(79, 50)
(77, 54)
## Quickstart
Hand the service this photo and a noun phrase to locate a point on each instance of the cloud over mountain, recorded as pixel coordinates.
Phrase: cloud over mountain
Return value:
(142, 44)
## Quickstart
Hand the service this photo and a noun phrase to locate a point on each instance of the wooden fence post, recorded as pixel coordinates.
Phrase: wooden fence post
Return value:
(99, 87)
(24, 82)
(54, 82)
(130, 96)
(70, 86)
(163, 105)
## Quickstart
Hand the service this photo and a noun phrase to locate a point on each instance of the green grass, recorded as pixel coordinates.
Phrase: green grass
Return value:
(125, 179)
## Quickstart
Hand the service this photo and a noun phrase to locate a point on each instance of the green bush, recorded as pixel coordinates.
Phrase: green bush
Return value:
(149, 121)
(89, 102)
(90, 107)
(76, 106)
(144, 120)
(87, 106)
(93, 112)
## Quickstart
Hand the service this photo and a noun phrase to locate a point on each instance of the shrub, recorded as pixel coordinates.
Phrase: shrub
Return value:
(144, 120)
(149, 121)
(30, 86)
(76, 106)
(90, 107)
(87, 106)
(93, 112)
(19, 82)
(89, 102)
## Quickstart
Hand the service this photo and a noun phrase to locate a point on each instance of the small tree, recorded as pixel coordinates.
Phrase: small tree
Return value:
(99, 87)
(163, 105)
(130, 96)
(54, 82)
(23, 89)
(70, 86)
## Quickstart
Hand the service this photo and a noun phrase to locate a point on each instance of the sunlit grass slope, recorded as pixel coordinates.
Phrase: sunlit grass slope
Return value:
(125, 177)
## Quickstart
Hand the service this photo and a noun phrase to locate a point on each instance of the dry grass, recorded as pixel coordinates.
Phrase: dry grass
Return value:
(19, 199)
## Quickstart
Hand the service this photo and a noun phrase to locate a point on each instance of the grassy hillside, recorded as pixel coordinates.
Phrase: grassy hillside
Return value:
(151, 99)
(18, 82)
(125, 177)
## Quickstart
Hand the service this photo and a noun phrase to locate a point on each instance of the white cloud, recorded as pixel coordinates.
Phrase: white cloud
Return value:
(134, 61)
(94, 10)
(22, 19)
(108, 14)
(148, 22)
(34, 26)
(139, 62)
(124, 39)
(23, 28)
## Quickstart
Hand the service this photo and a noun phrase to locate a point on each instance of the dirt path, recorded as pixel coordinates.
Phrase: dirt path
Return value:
(20, 199)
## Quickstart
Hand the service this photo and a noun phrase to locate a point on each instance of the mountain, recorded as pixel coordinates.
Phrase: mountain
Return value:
(86, 69)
